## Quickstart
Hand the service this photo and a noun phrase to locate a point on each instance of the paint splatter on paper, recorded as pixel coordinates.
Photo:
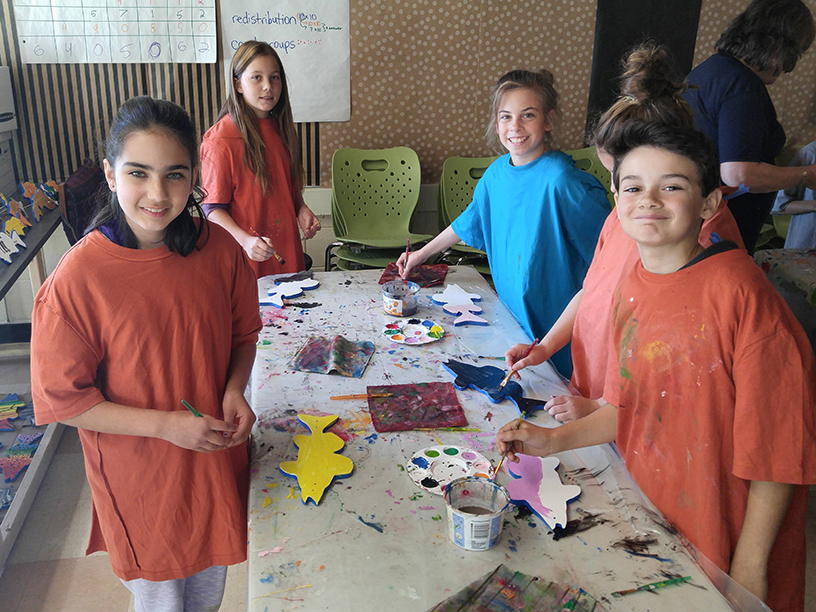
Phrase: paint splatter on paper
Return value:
(320, 355)
(424, 276)
(415, 405)
(503, 589)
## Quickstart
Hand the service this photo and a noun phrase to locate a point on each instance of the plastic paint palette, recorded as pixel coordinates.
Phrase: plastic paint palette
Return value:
(435, 467)
(413, 331)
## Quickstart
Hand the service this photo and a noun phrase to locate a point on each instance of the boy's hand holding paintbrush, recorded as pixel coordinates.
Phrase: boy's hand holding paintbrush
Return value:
(261, 248)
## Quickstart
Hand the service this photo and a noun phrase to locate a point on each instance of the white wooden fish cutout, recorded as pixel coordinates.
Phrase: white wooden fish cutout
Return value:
(292, 289)
(537, 485)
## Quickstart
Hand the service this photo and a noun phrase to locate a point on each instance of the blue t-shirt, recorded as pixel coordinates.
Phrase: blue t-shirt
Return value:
(539, 224)
(732, 107)
(802, 230)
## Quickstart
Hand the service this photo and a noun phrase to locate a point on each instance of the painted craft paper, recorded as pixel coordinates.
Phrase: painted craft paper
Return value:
(503, 589)
(435, 467)
(285, 291)
(413, 331)
(416, 405)
(424, 276)
(467, 314)
(537, 485)
(318, 463)
(454, 294)
(321, 355)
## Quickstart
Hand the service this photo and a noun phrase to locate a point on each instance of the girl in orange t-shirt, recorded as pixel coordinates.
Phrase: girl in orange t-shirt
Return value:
(152, 307)
(251, 167)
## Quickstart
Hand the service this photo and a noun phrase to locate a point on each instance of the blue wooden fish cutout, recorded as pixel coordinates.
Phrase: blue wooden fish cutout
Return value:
(487, 380)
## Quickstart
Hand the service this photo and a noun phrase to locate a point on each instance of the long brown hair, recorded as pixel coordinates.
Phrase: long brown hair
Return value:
(244, 118)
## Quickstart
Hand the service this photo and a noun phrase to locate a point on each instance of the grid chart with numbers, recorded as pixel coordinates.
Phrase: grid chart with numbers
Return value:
(116, 31)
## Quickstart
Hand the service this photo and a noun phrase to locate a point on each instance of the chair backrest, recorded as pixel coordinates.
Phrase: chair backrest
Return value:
(587, 160)
(456, 186)
(374, 191)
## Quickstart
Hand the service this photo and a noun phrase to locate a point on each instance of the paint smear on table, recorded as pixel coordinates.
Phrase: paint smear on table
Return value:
(427, 405)
(351, 426)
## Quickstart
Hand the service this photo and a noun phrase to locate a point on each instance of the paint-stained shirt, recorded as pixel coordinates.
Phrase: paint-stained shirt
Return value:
(615, 256)
(228, 180)
(539, 224)
(715, 385)
(148, 328)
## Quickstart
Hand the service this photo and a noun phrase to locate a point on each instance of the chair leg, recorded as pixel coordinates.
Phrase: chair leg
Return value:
(329, 248)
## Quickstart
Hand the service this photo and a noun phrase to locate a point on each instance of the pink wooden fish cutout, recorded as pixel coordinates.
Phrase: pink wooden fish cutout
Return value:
(536, 484)
(467, 314)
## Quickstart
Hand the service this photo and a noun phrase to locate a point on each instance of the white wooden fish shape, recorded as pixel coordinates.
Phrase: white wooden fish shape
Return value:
(318, 463)
(537, 485)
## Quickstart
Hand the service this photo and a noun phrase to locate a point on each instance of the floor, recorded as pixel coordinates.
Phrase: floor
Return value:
(48, 570)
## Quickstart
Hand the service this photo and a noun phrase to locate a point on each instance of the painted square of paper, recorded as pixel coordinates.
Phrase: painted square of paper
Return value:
(425, 405)
(424, 276)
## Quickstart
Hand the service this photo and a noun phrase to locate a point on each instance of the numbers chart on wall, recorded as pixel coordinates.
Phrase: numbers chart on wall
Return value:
(116, 31)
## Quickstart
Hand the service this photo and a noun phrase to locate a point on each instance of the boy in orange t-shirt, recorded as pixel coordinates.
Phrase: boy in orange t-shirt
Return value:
(711, 382)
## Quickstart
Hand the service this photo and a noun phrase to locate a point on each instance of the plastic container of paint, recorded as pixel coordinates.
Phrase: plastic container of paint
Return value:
(400, 298)
(476, 508)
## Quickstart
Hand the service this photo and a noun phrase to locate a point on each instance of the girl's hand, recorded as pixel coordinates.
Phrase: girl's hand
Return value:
(408, 262)
(203, 434)
(308, 222)
(566, 408)
(238, 412)
(528, 439)
(539, 354)
(258, 248)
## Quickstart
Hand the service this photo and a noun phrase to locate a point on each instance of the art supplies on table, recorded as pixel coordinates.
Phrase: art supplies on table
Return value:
(503, 589)
(486, 379)
(411, 406)
(424, 276)
(537, 485)
(358, 396)
(466, 314)
(321, 355)
(318, 463)
(454, 294)
(435, 467)
(413, 331)
(475, 507)
(275, 295)
(653, 586)
(400, 298)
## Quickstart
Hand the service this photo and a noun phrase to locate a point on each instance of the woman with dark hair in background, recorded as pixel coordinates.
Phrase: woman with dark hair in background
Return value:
(733, 108)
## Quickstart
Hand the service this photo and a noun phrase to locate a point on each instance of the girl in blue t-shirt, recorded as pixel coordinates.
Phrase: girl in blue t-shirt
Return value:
(533, 212)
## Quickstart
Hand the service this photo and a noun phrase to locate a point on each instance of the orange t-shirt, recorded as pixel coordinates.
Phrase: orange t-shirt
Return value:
(615, 256)
(228, 180)
(715, 385)
(148, 328)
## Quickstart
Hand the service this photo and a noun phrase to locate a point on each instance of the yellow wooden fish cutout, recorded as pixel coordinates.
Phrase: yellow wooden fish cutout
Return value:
(317, 463)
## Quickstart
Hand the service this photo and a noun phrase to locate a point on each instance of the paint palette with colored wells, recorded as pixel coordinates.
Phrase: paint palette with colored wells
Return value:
(435, 467)
(413, 331)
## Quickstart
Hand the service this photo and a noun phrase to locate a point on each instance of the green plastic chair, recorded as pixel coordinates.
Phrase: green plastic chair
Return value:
(374, 196)
(588, 161)
(456, 187)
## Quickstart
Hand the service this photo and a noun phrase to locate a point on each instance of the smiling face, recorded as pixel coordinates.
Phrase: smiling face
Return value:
(523, 126)
(152, 179)
(660, 202)
(260, 84)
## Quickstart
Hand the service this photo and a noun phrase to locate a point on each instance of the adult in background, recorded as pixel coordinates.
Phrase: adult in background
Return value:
(733, 108)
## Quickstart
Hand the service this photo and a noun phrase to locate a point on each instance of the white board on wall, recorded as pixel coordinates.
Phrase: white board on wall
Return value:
(116, 31)
(312, 40)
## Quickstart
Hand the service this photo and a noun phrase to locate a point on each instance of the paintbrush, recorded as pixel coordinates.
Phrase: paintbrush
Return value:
(453, 429)
(516, 428)
(280, 259)
(512, 371)
(360, 396)
(191, 409)
(652, 586)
